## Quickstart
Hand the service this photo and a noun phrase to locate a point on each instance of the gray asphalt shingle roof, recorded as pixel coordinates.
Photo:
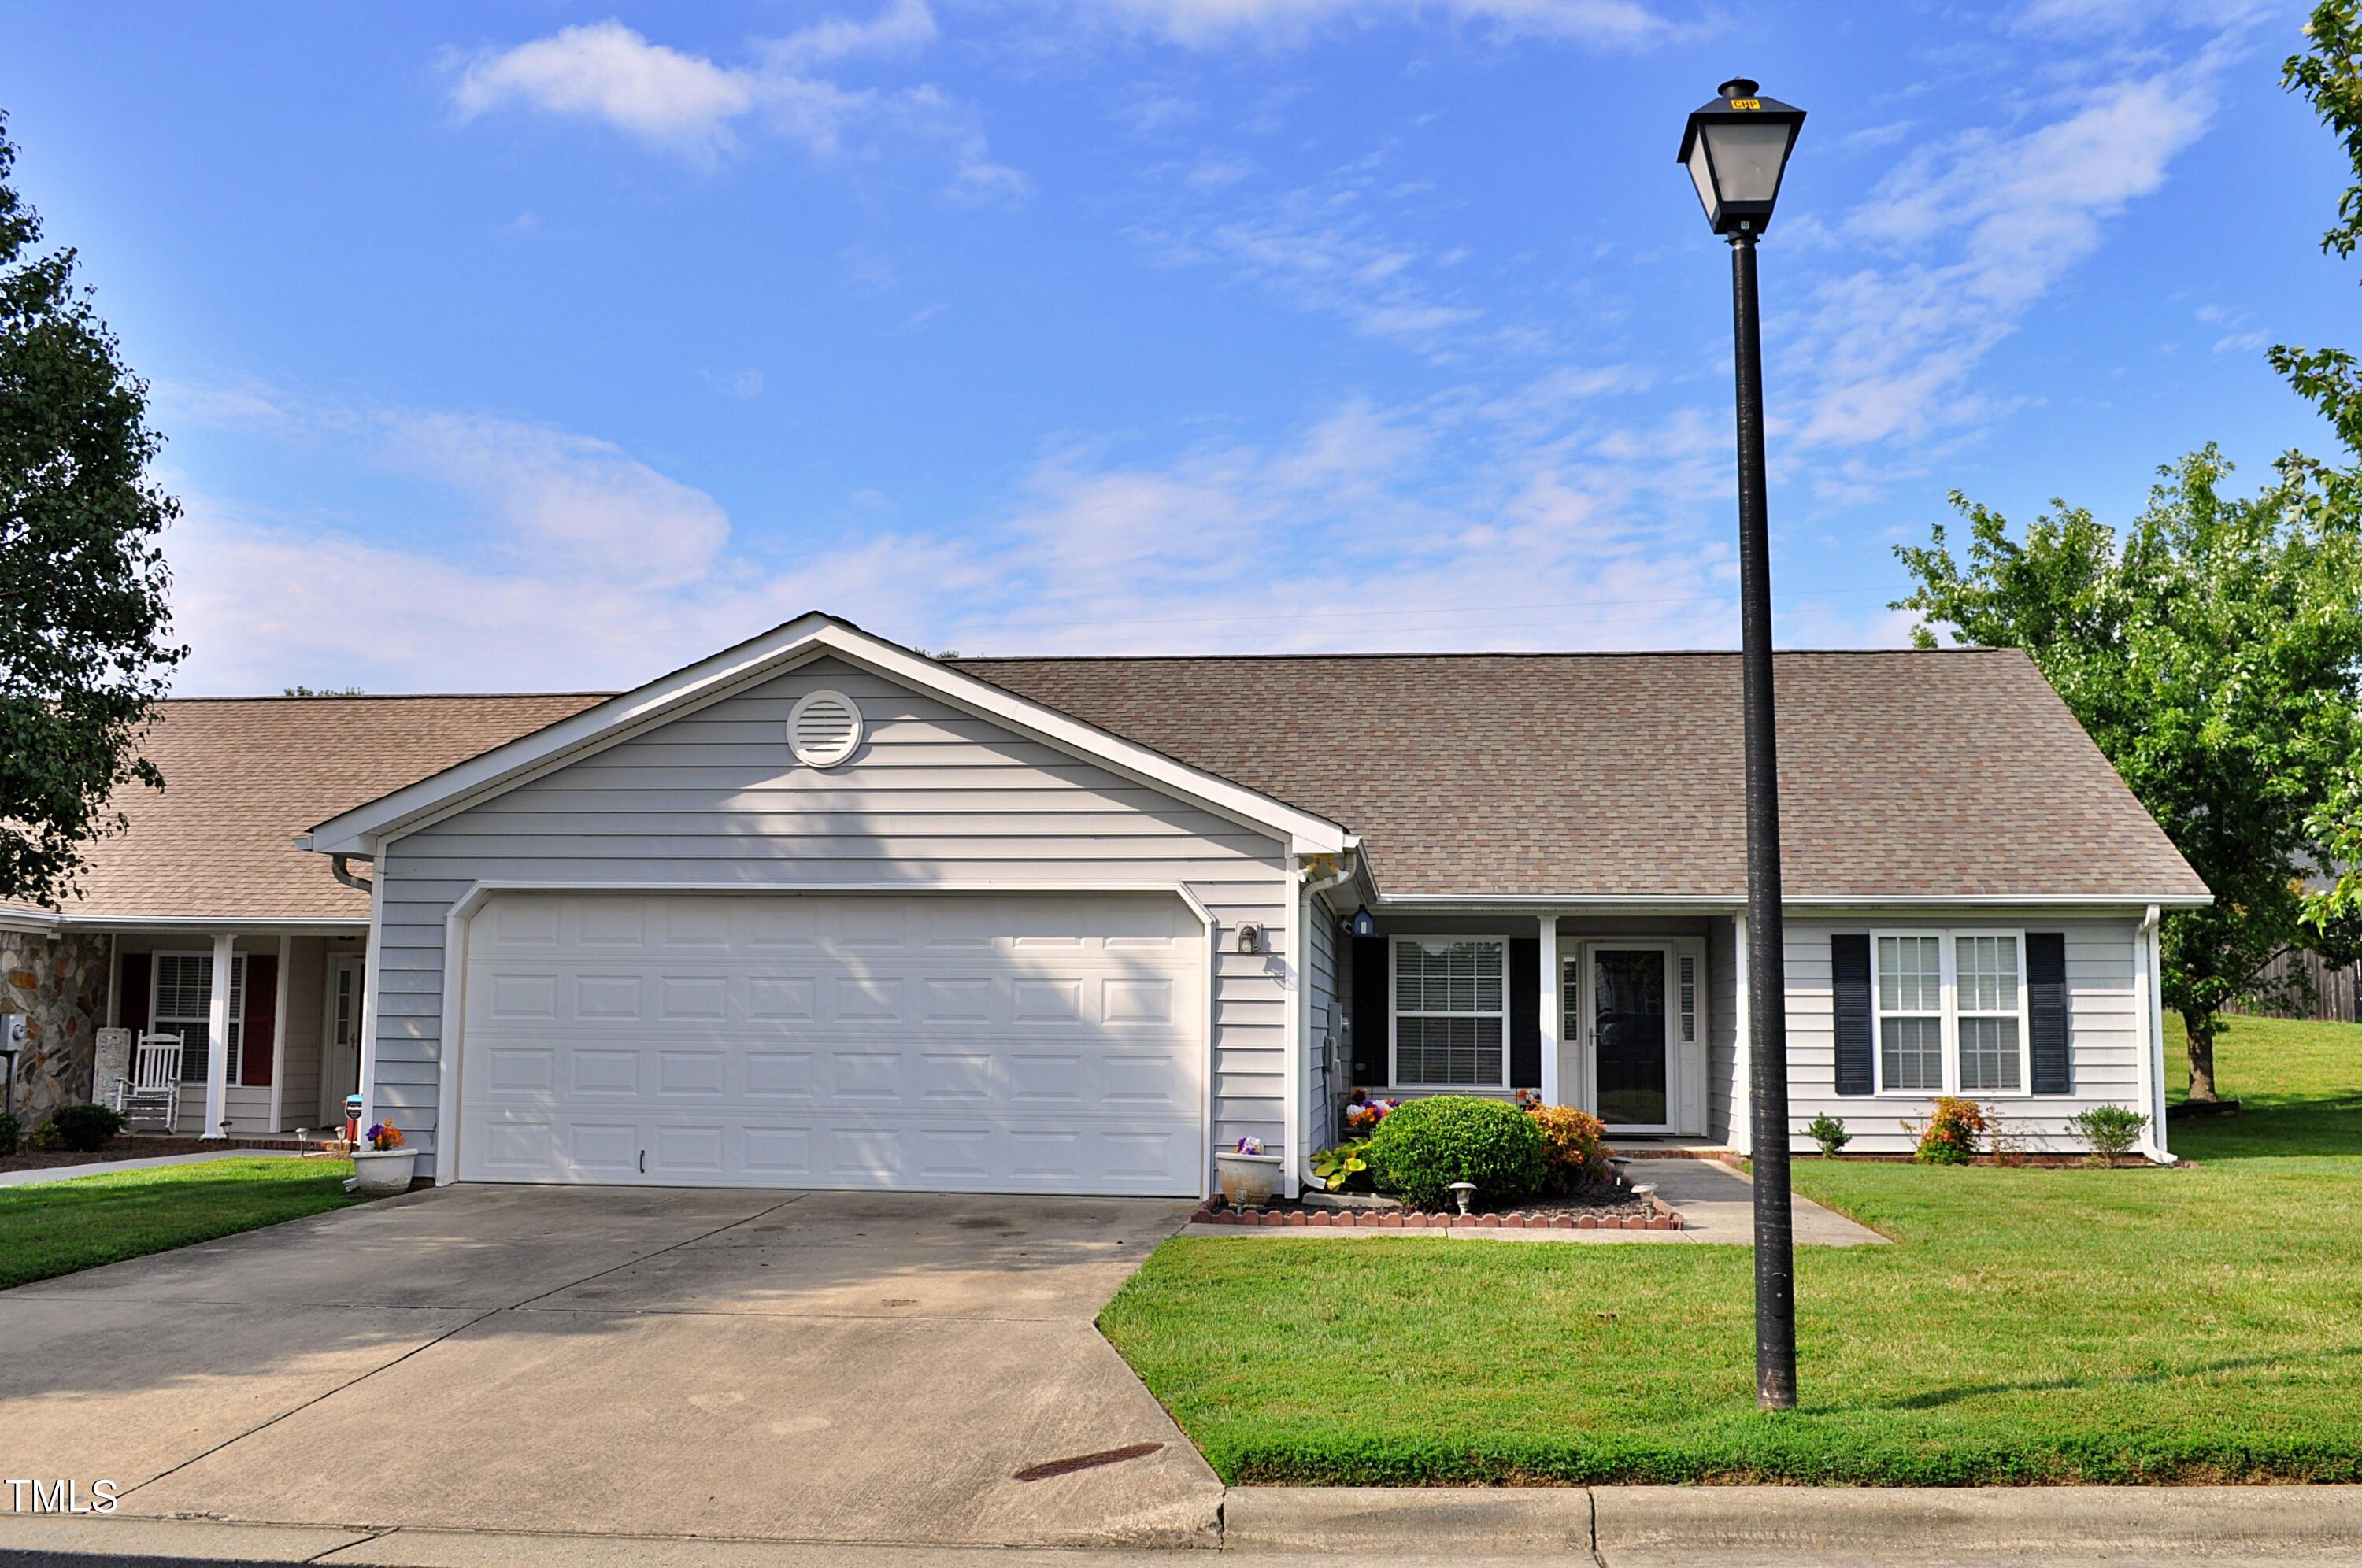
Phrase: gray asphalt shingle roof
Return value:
(1954, 773)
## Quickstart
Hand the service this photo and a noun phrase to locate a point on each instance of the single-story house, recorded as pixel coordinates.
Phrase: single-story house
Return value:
(820, 910)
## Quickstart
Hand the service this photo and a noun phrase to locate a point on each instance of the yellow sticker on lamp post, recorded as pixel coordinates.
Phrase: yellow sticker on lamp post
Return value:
(1747, 103)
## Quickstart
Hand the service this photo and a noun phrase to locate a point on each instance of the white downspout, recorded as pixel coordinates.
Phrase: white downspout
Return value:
(2149, 995)
(1299, 1158)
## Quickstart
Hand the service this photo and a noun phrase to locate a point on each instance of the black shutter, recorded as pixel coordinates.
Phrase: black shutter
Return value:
(1372, 1011)
(1525, 1012)
(1849, 984)
(2046, 1012)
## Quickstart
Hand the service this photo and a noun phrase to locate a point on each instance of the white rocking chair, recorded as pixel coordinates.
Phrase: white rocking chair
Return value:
(152, 1093)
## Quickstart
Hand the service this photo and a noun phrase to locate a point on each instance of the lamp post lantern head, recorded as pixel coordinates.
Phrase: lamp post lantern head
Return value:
(1736, 148)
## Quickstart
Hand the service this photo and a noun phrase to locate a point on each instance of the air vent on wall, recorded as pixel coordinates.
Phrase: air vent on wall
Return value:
(823, 728)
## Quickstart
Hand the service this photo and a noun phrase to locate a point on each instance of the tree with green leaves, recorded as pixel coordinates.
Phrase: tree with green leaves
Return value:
(84, 638)
(2213, 651)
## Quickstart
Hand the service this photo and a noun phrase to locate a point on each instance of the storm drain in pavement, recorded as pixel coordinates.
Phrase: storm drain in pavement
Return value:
(1086, 1461)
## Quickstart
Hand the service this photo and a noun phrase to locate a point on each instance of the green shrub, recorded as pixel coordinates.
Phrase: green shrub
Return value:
(44, 1139)
(1574, 1148)
(85, 1128)
(2110, 1130)
(1829, 1134)
(11, 1131)
(1949, 1137)
(1422, 1149)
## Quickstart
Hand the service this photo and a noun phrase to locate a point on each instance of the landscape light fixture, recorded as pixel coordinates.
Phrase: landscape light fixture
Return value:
(1736, 148)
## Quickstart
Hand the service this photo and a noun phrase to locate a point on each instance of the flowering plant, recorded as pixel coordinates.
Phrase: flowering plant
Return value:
(1362, 1114)
(1250, 1145)
(384, 1136)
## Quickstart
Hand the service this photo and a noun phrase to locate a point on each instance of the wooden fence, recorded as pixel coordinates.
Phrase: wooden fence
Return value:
(2335, 992)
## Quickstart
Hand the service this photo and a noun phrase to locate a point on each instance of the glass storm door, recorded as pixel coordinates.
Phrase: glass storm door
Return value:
(1629, 1036)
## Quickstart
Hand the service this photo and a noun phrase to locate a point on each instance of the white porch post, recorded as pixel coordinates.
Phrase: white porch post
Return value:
(218, 1039)
(1742, 1100)
(1550, 1014)
(279, 1037)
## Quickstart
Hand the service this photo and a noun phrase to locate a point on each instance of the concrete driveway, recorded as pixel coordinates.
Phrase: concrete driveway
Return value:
(800, 1366)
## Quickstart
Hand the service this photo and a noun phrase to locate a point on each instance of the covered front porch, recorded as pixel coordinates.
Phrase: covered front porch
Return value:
(1631, 1014)
(269, 1020)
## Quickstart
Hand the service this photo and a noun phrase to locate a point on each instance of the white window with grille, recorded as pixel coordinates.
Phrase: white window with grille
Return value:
(1951, 1011)
(1910, 992)
(1451, 1012)
(1989, 1002)
(182, 1005)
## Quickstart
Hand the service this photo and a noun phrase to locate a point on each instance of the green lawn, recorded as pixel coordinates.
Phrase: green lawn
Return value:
(53, 1228)
(2028, 1326)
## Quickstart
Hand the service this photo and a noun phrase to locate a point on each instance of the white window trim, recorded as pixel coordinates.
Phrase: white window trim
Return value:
(158, 1024)
(1394, 1013)
(1949, 1026)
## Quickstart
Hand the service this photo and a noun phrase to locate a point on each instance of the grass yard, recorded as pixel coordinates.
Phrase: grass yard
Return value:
(2203, 1324)
(53, 1228)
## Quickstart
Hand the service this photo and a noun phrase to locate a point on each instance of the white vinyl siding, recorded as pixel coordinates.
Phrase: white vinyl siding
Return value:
(1451, 1007)
(2105, 1031)
(932, 795)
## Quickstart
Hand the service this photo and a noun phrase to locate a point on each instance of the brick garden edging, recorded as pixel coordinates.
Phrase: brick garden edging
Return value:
(1214, 1211)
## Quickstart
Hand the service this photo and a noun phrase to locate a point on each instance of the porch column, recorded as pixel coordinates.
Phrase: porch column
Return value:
(1550, 1014)
(279, 1037)
(218, 1039)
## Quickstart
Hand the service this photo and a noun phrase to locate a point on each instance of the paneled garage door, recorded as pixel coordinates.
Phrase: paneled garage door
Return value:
(968, 1042)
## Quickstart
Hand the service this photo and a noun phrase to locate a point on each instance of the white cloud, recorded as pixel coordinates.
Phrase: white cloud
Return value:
(1198, 23)
(1321, 249)
(1368, 527)
(1979, 228)
(694, 107)
(608, 72)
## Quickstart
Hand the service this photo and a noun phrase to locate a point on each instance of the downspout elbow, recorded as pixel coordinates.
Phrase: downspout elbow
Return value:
(342, 866)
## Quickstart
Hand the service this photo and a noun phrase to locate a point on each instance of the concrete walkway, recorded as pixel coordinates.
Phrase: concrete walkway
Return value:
(1614, 1526)
(99, 1167)
(766, 1365)
(1717, 1201)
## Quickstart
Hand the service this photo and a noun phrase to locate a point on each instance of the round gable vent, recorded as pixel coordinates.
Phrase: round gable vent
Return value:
(822, 728)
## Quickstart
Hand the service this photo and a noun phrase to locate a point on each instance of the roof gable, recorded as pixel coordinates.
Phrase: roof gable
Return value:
(809, 636)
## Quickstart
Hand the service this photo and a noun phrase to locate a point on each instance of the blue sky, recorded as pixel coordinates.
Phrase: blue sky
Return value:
(544, 345)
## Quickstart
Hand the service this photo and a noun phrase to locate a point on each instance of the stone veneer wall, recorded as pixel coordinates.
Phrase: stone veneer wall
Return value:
(58, 984)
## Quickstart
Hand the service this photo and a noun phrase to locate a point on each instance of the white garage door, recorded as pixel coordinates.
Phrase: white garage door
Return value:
(1047, 1043)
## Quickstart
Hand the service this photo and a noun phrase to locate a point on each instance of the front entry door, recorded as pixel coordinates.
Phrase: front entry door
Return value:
(340, 1044)
(1631, 1037)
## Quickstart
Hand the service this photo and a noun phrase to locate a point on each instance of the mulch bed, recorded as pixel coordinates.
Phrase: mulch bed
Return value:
(1618, 1211)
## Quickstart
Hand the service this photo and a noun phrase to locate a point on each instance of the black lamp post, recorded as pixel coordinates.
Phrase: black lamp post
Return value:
(1736, 148)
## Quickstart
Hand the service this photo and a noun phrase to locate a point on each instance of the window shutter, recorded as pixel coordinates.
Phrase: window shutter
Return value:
(131, 994)
(1850, 987)
(2046, 1013)
(256, 1040)
(1525, 1012)
(1373, 1011)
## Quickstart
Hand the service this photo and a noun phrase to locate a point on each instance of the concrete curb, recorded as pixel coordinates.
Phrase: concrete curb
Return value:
(1617, 1526)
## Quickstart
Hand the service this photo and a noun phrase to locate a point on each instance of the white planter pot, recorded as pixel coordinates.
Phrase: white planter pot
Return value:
(383, 1173)
(1248, 1181)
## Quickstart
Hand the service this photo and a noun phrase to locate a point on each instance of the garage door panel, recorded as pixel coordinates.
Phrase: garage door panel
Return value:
(986, 1043)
